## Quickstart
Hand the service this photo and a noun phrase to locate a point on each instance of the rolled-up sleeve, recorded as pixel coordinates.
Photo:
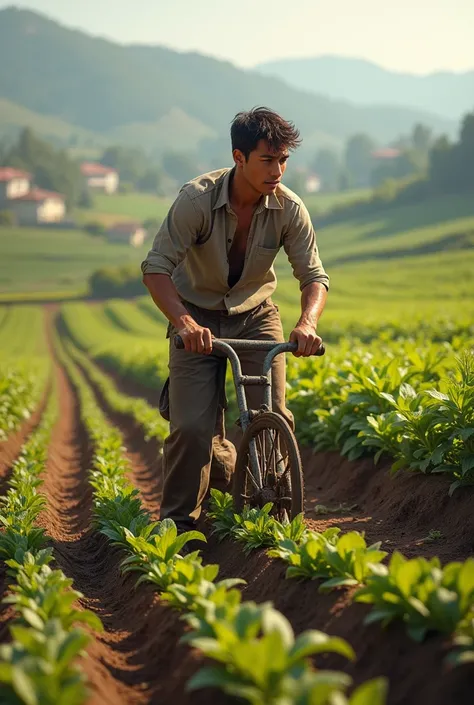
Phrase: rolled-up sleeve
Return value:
(299, 243)
(177, 233)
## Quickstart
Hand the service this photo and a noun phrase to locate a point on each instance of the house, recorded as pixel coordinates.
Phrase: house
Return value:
(313, 183)
(127, 233)
(386, 153)
(13, 183)
(100, 177)
(38, 206)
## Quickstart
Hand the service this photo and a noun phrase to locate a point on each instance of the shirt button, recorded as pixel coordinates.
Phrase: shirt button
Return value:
(229, 240)
(227, 296)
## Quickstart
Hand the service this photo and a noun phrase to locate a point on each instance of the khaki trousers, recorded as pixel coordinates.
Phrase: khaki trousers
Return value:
(195, 405)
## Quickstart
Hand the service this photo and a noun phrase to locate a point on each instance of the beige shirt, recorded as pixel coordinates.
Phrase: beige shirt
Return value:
(194, 240)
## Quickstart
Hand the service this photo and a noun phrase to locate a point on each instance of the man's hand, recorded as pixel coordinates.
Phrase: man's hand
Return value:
(195, 338)
(308, 340)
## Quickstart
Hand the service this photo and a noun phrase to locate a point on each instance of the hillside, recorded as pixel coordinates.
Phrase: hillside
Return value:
(364, 83)
(113, 89)
(14, 117)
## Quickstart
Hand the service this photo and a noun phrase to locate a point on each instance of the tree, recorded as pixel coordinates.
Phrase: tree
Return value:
(358, 158)
(52, 169)
(180, 165)
(327, 166)
(421, 138)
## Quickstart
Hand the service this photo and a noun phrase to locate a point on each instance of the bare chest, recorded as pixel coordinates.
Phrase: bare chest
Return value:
(239, 243)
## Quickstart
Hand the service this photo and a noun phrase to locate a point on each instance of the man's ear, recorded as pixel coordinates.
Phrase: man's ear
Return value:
(239, 158)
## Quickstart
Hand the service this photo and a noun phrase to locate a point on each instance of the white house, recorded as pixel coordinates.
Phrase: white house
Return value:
(127, 233)
(13, 183)
(38, 206)
(100, 177)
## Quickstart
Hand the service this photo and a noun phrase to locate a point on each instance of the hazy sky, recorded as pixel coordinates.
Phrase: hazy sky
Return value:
(418, 36)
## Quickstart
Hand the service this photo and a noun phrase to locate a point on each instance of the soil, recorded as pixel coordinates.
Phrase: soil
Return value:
(138, 658)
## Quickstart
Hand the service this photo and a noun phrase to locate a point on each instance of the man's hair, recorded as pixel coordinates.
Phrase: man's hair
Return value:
(248, 128)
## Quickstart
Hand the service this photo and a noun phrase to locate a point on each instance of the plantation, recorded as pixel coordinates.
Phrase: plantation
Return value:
(367, 600)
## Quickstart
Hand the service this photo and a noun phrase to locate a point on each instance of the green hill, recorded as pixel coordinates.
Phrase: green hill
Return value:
(112, 89)
(14, 117)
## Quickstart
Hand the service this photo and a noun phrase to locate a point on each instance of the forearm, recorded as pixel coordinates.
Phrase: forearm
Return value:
(164, 294)
(313, 300)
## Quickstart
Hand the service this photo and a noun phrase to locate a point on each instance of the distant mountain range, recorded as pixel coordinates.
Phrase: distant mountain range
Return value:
(58, 79)
(364, 83)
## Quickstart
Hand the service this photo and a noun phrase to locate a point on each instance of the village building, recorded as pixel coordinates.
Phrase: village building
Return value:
(38, 206)
(132, 233)
(99, 177)
(13, 183)
(29, 205)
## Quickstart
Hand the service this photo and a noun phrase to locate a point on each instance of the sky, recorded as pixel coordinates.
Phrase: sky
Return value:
(414, 36)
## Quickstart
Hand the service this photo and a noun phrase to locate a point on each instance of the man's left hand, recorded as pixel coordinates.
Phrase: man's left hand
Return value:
(308, 340)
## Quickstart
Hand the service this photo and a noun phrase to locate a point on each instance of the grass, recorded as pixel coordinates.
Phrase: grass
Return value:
(320, 203)
(36, 260)
(108, 209)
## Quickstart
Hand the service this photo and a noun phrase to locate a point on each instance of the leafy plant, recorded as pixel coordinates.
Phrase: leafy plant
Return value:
(425, 596)
(259, 657)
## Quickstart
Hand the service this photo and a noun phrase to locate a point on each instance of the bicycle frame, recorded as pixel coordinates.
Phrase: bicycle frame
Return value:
(229, 347)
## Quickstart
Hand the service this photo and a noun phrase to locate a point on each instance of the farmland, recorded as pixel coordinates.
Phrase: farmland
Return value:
(362, 601)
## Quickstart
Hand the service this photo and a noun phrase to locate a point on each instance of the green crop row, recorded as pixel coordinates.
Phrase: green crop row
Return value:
(145, 415)
(256, 653)
(138, 357)
(24, 366)
(425, 596)
(414, 403)
(37, 667)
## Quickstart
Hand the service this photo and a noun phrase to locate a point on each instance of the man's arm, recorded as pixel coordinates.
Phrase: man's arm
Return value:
(164, 294)
(174, 238)
(313, 299)
(300, 245)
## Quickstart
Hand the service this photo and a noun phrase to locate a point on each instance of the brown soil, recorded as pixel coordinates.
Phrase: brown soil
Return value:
(138, 658)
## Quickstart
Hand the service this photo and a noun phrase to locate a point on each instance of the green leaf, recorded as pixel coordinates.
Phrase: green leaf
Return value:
(372, 692)
(209, 677)
(315, 642)
(24, 686)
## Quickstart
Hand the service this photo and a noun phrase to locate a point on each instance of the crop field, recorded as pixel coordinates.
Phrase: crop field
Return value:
(368, 600)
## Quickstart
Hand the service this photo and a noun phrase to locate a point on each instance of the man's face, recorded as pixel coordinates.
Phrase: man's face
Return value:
(264, 168)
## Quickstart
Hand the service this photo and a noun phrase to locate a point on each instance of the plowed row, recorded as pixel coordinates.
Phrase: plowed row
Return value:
(138, 659)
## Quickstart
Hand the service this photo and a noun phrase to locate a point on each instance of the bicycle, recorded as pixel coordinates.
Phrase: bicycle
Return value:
(268, 466)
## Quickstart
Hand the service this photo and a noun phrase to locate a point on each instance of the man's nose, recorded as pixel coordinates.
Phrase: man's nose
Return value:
(277, 171)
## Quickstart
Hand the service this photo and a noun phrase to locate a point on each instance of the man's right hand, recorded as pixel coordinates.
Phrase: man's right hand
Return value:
(195, 338)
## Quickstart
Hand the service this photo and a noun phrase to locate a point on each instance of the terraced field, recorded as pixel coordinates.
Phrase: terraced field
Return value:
(369, 600)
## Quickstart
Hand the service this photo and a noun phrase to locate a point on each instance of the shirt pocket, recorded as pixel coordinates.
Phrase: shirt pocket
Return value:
(264, 257)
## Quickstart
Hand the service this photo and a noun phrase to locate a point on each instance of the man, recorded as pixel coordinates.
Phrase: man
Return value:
(210, 271)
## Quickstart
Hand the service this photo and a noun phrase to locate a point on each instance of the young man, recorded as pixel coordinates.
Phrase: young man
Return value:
(210, 271)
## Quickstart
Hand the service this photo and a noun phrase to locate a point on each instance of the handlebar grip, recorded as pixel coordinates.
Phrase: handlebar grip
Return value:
(178, 342)
(321, 351)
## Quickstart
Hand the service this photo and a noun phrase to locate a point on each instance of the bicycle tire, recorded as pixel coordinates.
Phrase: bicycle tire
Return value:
(269, 421)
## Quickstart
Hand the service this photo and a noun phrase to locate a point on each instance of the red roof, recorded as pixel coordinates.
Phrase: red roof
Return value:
(39, 194)
(95, 169)
(386, 153)
(7, 173)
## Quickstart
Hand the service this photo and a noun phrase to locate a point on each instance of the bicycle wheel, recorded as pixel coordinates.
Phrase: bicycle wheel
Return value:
(279, 465)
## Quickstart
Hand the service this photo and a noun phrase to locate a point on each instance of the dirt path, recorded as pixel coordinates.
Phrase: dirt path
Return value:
(144, 456)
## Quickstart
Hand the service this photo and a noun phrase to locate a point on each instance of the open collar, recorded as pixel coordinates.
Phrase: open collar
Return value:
(271, 201)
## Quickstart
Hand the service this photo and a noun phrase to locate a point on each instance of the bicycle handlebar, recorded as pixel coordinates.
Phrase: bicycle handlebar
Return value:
(261, 345)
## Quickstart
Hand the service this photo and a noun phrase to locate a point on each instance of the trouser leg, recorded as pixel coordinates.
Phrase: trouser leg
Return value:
(193, 404)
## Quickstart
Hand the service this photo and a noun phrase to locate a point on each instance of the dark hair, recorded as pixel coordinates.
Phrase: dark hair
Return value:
(248, 128)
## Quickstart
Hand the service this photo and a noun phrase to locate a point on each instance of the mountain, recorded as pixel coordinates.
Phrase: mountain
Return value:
(135, 92)
(364, 83)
